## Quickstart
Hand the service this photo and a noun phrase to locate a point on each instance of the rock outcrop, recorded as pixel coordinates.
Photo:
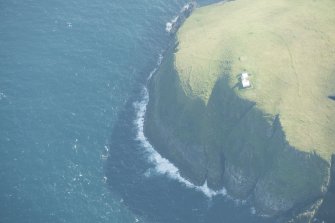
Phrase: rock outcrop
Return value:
(252, 141)
(230, 143)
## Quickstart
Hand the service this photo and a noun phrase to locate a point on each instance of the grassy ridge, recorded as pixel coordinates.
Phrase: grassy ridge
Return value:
(289, 49)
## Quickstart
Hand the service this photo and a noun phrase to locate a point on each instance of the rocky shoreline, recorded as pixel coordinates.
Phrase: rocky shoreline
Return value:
(227, 140)
(234, 169)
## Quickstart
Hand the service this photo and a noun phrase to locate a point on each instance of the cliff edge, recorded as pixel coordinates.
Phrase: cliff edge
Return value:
(271, 142)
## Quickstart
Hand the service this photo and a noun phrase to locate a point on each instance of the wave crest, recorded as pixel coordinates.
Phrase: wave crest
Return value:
(161, 164)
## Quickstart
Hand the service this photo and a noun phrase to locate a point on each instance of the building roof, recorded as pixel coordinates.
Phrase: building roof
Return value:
(245, 80)
(245, 83)
(244, 75)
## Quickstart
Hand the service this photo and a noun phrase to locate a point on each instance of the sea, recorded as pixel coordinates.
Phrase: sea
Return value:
(73, 76)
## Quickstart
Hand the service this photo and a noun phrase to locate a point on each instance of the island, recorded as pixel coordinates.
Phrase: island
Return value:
(244, 101)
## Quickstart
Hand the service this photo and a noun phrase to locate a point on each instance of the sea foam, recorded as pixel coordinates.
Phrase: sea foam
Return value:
(161, 164)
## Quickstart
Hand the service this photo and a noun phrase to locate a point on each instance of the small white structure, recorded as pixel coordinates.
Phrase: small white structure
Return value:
(245, 80)
(168, 27)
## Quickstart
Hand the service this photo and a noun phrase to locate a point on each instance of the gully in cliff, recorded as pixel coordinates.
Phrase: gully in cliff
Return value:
(174, 24)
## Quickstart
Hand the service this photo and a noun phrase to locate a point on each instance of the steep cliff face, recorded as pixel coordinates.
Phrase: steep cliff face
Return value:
(171, 124)
(270, 142)
(230, 143)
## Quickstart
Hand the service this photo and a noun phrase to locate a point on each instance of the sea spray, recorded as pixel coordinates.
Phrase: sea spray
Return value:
(161, 164)
(173, 26)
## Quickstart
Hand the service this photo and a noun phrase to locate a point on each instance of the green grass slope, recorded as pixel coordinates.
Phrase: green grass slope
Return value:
(289, 49)
(272, 141)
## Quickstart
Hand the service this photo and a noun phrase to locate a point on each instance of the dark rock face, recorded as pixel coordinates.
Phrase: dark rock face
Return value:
(162, 127)
(268, 202)
(239, 182)
(320, 210)
(229, 142)
(190, 158)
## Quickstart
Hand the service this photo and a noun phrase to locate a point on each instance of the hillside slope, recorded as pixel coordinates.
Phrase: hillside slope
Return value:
(272, 142)
(289, 49)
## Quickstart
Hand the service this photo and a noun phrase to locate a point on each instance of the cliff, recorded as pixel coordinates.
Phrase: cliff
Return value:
(271, 142)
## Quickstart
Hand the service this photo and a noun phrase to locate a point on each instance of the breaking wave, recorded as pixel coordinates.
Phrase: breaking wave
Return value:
(161, 164)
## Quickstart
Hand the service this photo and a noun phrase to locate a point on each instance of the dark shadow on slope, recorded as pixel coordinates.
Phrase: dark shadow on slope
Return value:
(256, 143)
(157, 198)
(173, 124)
(331, 97)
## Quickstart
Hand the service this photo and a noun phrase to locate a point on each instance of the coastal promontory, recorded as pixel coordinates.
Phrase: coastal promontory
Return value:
(271, 141)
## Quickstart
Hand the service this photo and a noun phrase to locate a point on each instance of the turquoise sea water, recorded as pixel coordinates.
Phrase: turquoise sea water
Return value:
(70, 73)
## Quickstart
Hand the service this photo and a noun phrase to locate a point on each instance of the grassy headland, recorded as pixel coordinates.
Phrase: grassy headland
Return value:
(272, 141)
(289, 49)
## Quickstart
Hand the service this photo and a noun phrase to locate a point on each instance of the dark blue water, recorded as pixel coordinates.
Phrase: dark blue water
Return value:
(70, 72)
